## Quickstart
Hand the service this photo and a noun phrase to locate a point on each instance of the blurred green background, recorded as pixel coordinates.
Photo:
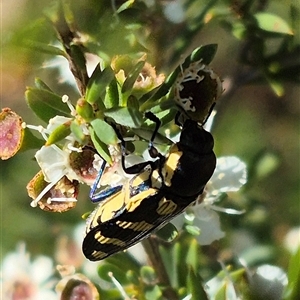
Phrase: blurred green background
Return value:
(252, 122)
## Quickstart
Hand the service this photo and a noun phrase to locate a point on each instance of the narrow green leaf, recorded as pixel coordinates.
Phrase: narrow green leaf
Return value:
(97, 85)
(101, 147)
(126, 116)
(272, 23)
(112, 98)
(167, 233)
(107, 269)
(238, 275)
(221, 293)
(128, 261)
(45, 104)
(153, 293)
(30, 141)
(192, 258)
(78, 57)
(59, 133)
(104, 131)
(292, 290)
(41, 85)
(193, 230)
(133, 277)
(125, 6)
(195, 286)
(45, 48)
(77, 131)
(132, 76)
(204, 53)
(133, 102)
(146, 134)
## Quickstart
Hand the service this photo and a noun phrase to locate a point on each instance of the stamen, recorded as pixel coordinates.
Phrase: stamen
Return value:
(229, 211)
(63, 199)
(34, 203)
(118, 286)
(40, 129)
(65, 99)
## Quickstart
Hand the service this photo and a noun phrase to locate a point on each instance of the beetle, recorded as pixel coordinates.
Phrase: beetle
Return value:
(159, 191)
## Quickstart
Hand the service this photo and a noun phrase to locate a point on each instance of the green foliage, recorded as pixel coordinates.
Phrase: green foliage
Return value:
(258, 47)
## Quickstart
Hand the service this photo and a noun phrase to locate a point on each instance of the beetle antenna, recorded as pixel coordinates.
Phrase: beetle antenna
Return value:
(209, 113)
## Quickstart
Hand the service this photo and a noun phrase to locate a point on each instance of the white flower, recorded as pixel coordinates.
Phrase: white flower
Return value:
(230, 175)
(23, 279)
(55, 161)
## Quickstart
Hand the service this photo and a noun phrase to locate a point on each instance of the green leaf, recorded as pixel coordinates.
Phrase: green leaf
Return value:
(195, 287)
(78, 57)
(97, 85)
(126, 116)
(104, 131)
(59, 133)
(193, 230)
(221, 293)
(128, 261)
(192, 257)
(133, 277)
(146, 134)
(132, 76)
(167, 233)
(30, 141)
(182, 247)
(106, 269)
(169, 256)
(125, 6)
(292, 290)
(45, 48)
(204, 53)
(41, 85)
(77, 131)
(272, 23)
(45, 104)
(153, 293)
(100, 146)
(112, 98)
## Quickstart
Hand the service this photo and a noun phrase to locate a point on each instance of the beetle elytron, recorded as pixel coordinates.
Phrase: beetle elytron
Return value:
(159, 191)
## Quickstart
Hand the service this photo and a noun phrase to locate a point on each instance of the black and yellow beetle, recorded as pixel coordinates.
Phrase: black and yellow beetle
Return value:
(159, 191)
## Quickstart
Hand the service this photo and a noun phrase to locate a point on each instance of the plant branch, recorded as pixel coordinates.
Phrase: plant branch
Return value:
(151, 247)
(74, 51)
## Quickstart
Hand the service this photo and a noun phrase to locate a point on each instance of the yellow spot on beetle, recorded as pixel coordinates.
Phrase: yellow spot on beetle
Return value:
(166, 207)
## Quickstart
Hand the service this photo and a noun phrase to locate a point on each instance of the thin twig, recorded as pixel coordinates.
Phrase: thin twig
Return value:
(151, 248)
(68, 37)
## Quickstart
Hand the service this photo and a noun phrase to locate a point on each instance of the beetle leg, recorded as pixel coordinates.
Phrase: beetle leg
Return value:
(135, 169)
(102, 195)
(154, 153)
